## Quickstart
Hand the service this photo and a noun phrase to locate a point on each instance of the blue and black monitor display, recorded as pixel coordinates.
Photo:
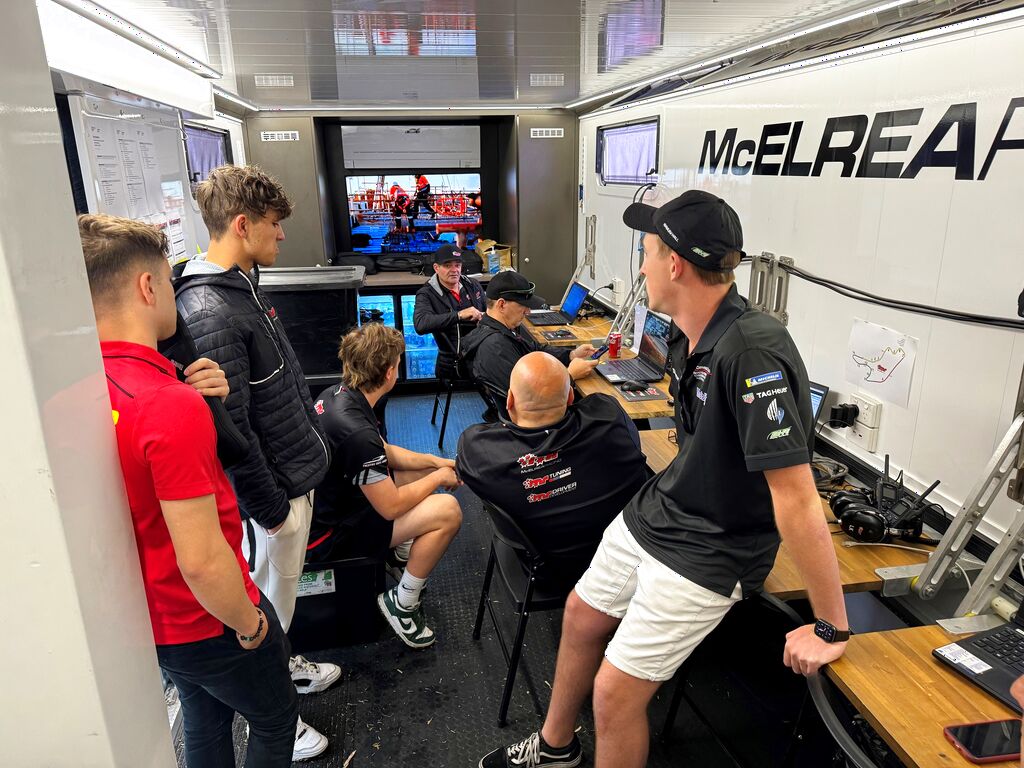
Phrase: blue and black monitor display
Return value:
(412, 213)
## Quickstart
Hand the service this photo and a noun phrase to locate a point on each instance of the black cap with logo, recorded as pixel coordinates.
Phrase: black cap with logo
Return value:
(697, 225)
(512, 286)
(446, 252)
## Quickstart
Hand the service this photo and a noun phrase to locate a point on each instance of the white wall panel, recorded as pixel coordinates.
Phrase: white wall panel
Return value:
(932, 239)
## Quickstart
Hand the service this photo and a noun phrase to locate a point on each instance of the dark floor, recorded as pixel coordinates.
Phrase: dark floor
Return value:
(438, 707)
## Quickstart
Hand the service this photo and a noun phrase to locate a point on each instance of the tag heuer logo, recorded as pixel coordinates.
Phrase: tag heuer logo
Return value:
(748, 398)
(779, 433)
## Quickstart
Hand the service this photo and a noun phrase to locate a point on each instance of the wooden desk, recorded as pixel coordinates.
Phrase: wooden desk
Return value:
(590, 330)
(908, 696)
(643, 409)
(856, 564)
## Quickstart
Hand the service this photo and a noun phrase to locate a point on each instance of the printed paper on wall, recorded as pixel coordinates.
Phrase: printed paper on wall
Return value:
(881, 361)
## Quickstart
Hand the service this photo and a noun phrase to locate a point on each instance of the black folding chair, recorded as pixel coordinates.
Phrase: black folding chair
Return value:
(521, 568)
(447, 379)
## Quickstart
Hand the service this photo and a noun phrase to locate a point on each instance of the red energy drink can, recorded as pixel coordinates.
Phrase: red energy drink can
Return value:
(614, 344)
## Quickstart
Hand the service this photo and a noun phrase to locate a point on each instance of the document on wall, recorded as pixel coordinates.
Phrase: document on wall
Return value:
(881, 361)
(107, 170)
(639, 320)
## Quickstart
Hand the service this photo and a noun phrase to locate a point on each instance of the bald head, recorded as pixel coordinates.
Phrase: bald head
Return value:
(539, 390)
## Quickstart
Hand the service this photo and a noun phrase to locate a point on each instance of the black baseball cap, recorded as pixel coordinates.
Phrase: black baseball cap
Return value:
(697, 225)
(446, 252)
(512, 286)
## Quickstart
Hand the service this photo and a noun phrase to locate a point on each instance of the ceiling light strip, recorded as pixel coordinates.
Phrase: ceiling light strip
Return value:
(476, 108)
(235, 99)
(881, 48)
(760, 46)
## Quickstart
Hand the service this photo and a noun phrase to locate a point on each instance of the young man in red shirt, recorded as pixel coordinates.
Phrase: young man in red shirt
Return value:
(217, 638)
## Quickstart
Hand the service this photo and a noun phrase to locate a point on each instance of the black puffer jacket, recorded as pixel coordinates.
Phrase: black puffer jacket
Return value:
(492, 351)
(437, 312)
(234, 324)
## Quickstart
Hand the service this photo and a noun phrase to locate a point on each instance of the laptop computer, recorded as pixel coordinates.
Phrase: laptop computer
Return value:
(818, 394)
(569, 310)
(649, 365)
(992, 659)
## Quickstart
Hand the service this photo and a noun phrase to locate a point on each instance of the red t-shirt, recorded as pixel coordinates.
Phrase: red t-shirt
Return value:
(168, 450)
(421, 182)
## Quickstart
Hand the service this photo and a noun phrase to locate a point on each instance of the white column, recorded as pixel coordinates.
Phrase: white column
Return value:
(79, 685)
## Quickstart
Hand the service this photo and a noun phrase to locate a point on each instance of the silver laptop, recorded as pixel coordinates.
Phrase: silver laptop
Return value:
(569, 310)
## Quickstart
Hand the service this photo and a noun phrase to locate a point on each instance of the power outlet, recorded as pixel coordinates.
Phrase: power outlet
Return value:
(865, 437)
(618, 290)
(870, 409)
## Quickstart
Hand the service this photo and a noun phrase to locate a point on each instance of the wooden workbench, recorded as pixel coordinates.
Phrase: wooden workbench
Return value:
(642, 409)
(908, 696)
(589, 330)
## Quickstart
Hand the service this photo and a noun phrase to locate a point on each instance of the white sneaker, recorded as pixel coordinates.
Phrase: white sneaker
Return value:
(309, 742)
(310, 677)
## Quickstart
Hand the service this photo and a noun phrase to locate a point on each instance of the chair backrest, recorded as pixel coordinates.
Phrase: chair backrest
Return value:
(508, 532)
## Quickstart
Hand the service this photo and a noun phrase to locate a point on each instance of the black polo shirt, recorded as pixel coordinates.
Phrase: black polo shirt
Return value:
(742, 406)
(495, 349)
(562, 483)
(358, 458)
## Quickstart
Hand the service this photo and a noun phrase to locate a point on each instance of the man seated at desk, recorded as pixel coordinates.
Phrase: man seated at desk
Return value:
(376, 495)
(497, 344)
(560, 469)
(449, 306)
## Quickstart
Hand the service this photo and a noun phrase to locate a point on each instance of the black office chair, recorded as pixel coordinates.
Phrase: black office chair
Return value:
(521, 568)
(447, 379)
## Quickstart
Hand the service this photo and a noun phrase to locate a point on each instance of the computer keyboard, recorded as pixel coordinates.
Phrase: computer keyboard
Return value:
(545, 317)
(1006, 644)
(631, 369)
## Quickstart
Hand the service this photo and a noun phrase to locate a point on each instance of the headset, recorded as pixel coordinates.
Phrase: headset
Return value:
(863, 517)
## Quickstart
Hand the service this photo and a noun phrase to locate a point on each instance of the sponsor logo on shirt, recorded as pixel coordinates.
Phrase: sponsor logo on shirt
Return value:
(533, 498)
(748, 398)
(763, 378)
(701, 373)
(772, 392)
(536, 482)
(532, 460)
(376, 462)
(271, 313)
(318, 406)
(115, 415)
(784, 432)
(775, 413)
(702, 396)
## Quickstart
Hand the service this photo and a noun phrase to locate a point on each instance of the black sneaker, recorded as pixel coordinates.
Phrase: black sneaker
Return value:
(532, 752)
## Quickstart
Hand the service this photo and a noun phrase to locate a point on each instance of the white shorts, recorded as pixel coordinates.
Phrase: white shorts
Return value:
(664, 615)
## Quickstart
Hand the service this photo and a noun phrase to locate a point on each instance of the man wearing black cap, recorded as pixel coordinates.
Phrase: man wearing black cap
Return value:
(704, 532)
(449, 306)
(496, 346)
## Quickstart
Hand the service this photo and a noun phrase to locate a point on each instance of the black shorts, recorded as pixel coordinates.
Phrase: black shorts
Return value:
(367, 536)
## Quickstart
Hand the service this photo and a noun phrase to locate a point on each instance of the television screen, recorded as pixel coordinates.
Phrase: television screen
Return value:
(629, 29)
(410, 213)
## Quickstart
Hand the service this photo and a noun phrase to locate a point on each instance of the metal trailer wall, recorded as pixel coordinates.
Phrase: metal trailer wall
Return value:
(948, 236)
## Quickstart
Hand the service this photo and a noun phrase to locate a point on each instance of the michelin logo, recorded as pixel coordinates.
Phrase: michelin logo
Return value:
(764, 378)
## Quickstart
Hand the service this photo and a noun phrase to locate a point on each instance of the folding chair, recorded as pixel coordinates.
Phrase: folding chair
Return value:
(521, 568)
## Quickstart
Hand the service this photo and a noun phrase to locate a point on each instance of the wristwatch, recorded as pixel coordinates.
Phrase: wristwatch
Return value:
(829, 633)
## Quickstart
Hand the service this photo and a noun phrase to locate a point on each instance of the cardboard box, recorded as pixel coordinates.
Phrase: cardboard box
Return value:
(496, 256)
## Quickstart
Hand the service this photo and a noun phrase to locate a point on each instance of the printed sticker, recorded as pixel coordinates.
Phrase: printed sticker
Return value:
(763, 378)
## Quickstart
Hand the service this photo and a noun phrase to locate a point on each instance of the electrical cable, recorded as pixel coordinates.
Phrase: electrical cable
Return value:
(906, 306)
(638, 197)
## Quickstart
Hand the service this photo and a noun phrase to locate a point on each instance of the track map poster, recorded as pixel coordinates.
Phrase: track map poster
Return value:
(881, 361)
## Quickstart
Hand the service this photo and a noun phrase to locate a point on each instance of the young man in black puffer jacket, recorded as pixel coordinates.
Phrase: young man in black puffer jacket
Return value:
(234, 323)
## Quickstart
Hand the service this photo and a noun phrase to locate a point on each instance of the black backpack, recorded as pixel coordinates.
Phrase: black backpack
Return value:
(405, 262)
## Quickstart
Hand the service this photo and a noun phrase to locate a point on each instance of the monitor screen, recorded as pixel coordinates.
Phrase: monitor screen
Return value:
(574, 300)
(654, 342)
(818, 393)
(410, 213)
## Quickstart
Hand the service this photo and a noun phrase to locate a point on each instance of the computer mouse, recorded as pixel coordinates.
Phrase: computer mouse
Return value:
(632, 386)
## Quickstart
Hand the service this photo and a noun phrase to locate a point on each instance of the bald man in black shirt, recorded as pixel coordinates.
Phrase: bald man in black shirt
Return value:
(562, 470)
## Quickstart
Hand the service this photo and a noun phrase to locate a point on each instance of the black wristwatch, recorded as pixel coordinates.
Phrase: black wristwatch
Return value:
(829, 633)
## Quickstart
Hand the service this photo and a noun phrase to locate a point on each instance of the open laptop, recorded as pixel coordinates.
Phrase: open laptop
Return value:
(567, 313)
(992, 659)
(818, 394)
(650, 364)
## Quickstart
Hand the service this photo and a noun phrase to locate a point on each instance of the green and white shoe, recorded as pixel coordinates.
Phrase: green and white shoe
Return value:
(409, 625)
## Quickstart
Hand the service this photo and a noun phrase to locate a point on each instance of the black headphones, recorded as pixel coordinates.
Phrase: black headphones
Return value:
(861, 520)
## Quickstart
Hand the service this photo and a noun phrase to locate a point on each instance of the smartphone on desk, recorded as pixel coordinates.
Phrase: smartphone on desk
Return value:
(990, 742)
(598, 352)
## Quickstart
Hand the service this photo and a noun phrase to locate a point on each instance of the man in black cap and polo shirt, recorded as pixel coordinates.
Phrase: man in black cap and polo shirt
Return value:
(496, 346)
(449, 306)
(703, 533)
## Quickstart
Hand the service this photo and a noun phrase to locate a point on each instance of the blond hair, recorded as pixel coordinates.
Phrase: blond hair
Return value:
(114, 248)
(366, 353)
(721, 277)
(231, 190)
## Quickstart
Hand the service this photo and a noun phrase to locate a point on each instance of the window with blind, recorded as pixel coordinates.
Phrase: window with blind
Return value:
(628, 153)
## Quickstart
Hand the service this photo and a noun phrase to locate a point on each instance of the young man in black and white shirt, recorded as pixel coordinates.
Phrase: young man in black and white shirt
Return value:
(705, 531)
(377, 495)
